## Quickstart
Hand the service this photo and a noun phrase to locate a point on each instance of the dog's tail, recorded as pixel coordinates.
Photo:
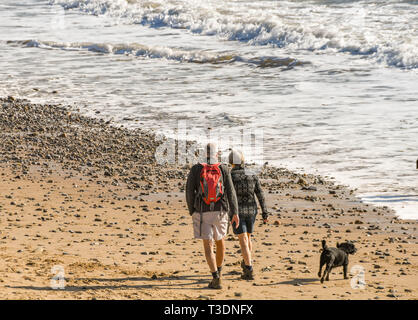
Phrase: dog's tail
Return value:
(324, 245)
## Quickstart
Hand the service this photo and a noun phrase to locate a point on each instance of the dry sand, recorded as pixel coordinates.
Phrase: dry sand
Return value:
(86, 196)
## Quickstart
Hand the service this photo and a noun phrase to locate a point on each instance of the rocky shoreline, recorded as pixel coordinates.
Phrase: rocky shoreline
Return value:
(47, 148)
(33, 134)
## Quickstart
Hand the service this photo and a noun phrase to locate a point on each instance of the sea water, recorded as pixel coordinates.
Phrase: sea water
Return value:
(333, 84)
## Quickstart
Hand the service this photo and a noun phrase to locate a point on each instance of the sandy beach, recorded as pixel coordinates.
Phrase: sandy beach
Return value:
(85, 197)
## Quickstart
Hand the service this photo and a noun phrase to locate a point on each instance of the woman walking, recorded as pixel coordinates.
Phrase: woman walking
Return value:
(247, 187)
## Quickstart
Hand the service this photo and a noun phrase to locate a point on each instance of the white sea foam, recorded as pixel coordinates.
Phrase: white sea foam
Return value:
(384, 32)
(133, 49)
(159, 52)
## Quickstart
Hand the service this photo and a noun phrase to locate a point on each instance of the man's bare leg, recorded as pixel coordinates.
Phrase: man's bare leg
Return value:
(211, 260)
(220, 252)
(209, 255)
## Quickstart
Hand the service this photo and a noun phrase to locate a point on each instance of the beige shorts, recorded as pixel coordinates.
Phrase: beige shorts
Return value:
(214, 225)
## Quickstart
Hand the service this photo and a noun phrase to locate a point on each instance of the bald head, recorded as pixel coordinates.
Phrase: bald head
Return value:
(212, 153)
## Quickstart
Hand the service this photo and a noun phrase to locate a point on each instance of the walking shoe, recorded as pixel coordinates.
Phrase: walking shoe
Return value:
(247, 274)
(243, 265)
(215, 283)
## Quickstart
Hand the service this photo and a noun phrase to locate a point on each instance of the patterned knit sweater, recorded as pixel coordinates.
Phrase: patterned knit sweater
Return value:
(247, 186)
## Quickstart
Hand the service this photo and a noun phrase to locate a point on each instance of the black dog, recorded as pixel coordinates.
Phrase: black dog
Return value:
(335, 257)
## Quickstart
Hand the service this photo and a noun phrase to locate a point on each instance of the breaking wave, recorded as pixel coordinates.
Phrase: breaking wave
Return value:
(356, 28)
(157, 52)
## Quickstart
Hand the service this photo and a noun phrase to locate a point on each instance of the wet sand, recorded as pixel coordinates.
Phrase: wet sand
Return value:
(88, 196)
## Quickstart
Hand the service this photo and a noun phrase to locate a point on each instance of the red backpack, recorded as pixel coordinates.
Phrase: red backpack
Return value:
(211, 183)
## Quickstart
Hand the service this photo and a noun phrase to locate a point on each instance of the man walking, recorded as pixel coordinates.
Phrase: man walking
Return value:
(212, 201)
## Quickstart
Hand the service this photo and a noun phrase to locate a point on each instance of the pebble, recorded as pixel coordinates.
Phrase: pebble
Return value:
(81, 142)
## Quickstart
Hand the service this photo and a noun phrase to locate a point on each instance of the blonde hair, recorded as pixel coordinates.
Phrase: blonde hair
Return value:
(236, 157)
